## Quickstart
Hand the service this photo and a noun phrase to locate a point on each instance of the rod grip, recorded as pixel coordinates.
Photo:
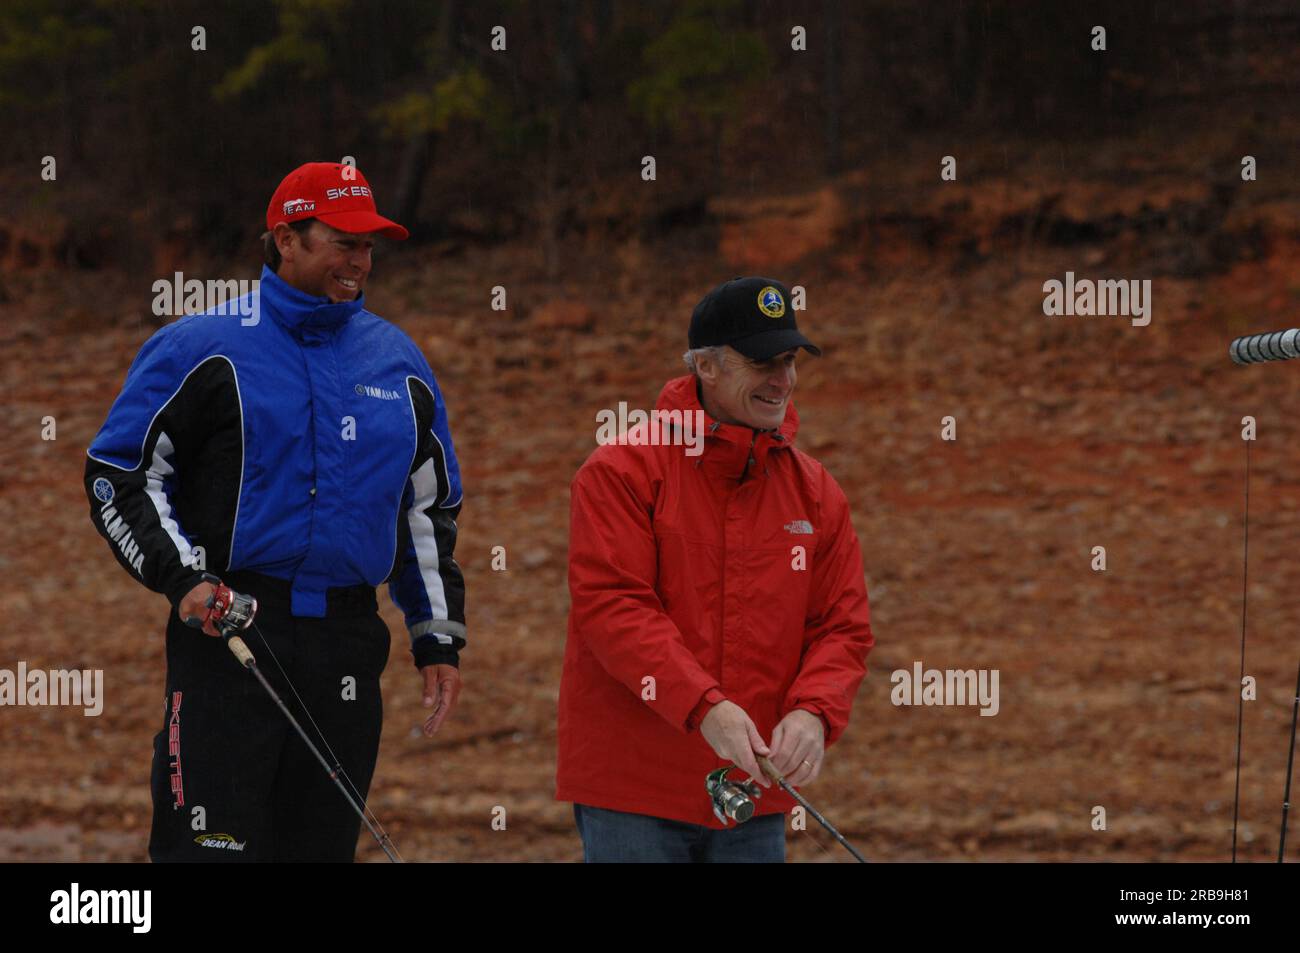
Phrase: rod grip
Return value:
(240, 650)
(769, 769)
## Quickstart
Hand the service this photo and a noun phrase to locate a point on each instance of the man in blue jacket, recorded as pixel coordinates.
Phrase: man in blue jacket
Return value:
(297, 447)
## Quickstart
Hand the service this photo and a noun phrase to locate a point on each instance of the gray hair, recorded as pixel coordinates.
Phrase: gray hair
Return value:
(693, 355)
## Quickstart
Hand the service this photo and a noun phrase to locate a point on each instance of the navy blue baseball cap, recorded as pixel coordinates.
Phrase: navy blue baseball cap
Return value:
(752, 315)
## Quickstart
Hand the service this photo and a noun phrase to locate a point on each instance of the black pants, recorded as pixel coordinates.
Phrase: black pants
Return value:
(232, 780)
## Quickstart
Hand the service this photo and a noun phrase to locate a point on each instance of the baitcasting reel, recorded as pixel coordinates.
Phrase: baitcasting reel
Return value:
(732, 800)
(229, 612)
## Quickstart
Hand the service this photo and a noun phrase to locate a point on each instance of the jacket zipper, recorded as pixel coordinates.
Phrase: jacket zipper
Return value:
(753, 438)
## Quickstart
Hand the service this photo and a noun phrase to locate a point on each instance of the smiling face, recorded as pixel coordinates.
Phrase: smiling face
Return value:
(736, 390)
(323, 261)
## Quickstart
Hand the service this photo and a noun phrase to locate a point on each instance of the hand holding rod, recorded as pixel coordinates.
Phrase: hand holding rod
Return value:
(231, 613)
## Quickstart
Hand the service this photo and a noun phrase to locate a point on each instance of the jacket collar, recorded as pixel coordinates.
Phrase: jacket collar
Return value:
(302, 314)
(728, 447)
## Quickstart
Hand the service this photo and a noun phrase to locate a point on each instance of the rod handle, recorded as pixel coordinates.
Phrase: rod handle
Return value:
(240, 650)
(770, 769)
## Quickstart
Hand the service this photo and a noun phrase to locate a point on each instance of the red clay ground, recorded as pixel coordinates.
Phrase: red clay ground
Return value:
(1118, 688)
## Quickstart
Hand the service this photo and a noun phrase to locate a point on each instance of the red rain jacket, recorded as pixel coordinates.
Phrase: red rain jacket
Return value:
(682, 569)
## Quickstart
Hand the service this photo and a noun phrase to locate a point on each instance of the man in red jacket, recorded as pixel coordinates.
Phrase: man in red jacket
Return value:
(719, 607)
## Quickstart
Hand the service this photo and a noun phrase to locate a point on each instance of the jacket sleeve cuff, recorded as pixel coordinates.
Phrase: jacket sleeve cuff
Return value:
(711, 698)
(429, 651)
(182, 589)
(814, 710)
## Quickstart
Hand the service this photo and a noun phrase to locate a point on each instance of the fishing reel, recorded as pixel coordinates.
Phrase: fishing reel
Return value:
(230, 612)
(732, 800)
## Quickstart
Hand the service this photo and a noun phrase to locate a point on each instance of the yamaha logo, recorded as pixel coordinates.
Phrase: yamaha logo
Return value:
(382, 393)
(103, 491)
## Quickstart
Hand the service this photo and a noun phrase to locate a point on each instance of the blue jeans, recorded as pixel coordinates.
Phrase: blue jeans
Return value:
(619, 837)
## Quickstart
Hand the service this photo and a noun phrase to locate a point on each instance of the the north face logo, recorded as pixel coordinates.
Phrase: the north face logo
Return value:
(799, 527)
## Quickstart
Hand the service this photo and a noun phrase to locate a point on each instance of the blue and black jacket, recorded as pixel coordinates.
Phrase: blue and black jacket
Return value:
(293, 437)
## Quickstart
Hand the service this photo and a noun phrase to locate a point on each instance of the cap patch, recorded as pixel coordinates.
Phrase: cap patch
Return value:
(771, 303)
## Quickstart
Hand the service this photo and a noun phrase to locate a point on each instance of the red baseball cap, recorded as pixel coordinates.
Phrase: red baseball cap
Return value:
(337, 194)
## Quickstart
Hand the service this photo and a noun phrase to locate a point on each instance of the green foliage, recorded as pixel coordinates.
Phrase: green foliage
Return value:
(308, 32)
(316, 41)
(462, 95)
(36, 41)
(698, 67)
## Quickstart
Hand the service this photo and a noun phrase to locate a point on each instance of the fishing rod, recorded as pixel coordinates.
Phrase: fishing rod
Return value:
(231, 614)
(734, 800)
(1255, 349)
(1290, 762)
